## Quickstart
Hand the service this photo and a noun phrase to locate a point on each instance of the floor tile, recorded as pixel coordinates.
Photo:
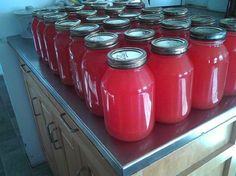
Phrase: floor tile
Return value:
(42, 170)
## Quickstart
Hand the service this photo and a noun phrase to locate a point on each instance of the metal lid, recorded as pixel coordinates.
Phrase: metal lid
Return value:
(97, 19)
(135, 5)
(42, 13)
(202, 20)
(175, 11)
(208, 33)
(126, 58)
(169, 46)
(228, 23)
(84, 29)
(132, 16)
(65, 25)
(89, 2)
(73, 8)
(55, 17)
(86, 13)
(152, 10)
(139, 35)
(114, 9)
(99, 5)
(151, 18)
(101, 40)
(176, 24)
(116, 23)
(120, 2)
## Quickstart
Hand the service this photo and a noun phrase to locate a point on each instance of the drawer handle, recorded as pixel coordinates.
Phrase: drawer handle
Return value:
(72, 130)
(24, 69)
(85, 171)
(51, 136)
(34, 111)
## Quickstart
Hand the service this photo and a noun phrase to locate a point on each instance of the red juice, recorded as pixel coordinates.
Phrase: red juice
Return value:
(34, 26)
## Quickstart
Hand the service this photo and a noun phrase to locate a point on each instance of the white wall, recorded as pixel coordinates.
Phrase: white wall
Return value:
(13, 77)
(164, 2)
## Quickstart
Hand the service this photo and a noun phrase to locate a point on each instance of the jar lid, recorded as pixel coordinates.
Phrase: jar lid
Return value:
(73, 8)
(228, 23)
(175, 11)
(99, 5)
(132, 16)
(120, 2)
(207, 33)
(169, 46)
(101, 40)
(135, 5)
(139, 34)
(176, 24)
(86, 13)
(42, 13)
(151, 18)
(116, 23)
(114, 9)
(127, 57)
(89, 2)
(97, 19)
(152, 10)
(65, 25)
(55, 17)
(202, 20)
(84, 29)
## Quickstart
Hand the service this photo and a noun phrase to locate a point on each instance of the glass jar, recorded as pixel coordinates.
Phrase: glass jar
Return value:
(202, 20)
(132, 16)
(173, 74)
(230, 43)
(210, 60)
(114, 11)
(88, 4)
(135, 6)
(128, 88)
(71, 10)
(100, 7)
(97, 19)
(94, 66)
(140, 38)
(152, 10)
(118, 26)
(175, 28)
(49, 35)
(175, 12)
(77, 50)
(34, 26)
(83, 14)
(61, 42)
(151, 21)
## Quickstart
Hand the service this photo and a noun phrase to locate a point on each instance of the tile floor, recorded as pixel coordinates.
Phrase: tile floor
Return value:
(13, 159)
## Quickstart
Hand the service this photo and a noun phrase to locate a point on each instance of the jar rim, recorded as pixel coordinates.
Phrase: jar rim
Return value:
(135, 5)
(202, 20)
(152, 10)
(55, 17)
(208, 33)
(86, 13)
(130, 15)
(116, 23)
(73, 8)
(139, 34)
(84, 29)
(151, 18)
(229, 24)
(65, 25)
(97, 19)
(176, 24)
(99, 5)
(175, 11)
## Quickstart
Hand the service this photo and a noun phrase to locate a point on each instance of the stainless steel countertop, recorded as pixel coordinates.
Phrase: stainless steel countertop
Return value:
(126, 158)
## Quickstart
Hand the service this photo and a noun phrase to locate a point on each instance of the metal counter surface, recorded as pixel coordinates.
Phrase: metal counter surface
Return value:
(126, 158)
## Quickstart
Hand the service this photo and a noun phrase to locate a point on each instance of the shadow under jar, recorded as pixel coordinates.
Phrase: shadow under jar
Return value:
(49, 35)
(118, 26)
(94, 65)
(114, 11)
(173, 72)
(83, 14)
(132, 16)
(152, 10)
(210, 60)
(128, 88)
(77, 50)
(175, 28)
(230, 43)
(175, 12)
(202, 20)
(62, 42)
(71, 10)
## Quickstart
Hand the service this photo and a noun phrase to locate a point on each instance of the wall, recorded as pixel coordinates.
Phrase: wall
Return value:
(13, 77)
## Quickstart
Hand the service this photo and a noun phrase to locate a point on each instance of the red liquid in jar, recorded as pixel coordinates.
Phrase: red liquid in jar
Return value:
(35, 35)
(40, 32)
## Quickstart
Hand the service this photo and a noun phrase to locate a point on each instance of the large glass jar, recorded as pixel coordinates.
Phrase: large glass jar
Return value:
(173, 72)
(210, 60)
(140, 38)
(230, 43)
(95, 19)
(71, 10)
(77, 50)
(128, 89)
(114, 11)
(49, 35)
(175, 28)
(202, 20)
(34, 26)
(132, 16)
(175, 12)
(118, 26)
(94, 66)
(100, 7)
(61, 42)
(152, 10)
(151, 21)
(83, 14)
(135, 6)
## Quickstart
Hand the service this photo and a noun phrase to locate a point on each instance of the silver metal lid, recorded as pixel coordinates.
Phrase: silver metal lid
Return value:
(114, 10)
(139, 35)
(176, 24)
(43, 13)
(99, 5)
(73, 8)
(175, 11)
(55, 17)
(152, 10)
(228, 23)
(127, 58)
(208, 33)
(202, 20)
(34, 13)
(120, 2)
(84, 29)
(65, 25)
(169, 46)
(151, 18)
(132, 16)
(86, 13)
(135, 5)
(101, 40)
(97, 19)
(116, 23)
(89, 2)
